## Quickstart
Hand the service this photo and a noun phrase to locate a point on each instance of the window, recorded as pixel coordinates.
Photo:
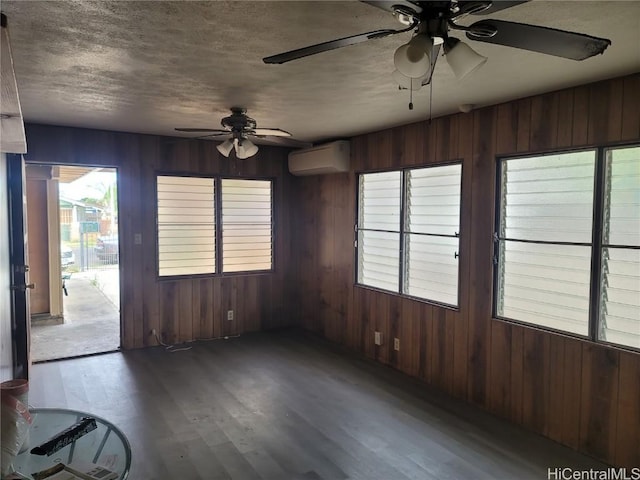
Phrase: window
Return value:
(568, 243)
(186, 226)
(619, 296)
(408, 227)
(194, 230)
(246, 225)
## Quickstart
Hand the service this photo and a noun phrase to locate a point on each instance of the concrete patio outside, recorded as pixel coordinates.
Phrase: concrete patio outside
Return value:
(92, 318)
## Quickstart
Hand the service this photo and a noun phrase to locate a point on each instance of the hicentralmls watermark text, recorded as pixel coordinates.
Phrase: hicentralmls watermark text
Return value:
(560, 473)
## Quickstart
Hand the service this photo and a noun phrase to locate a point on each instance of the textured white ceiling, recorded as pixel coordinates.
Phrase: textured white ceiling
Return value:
(151, 66)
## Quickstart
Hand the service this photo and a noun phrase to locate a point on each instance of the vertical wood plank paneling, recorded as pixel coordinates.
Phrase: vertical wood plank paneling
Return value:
(454, 135)
(218, 330)
(425, 313)
(461, 328)
(524, 125)
(205, 310)
(381, 315)
(405, 334)
(544, 122)
(517, 374)
(357, 321)
(616, 99)
(483, 181)
(451, 318)
(557, 397)
(169, 306)
(438, 348)
(430, 136)
(500, 368)
(605, 111)
(414, 144)
(443, 138)
(184, 318)
(597, 119)
(196, 309)
(442, 351)
(598, 416)
(535, 395)
(565, 118)
(630, 129)
(572, 405)
(344, 246)
(627, 446)
(581, 99)
(395, 307)
(148, 250)
(146, 144)
(506, 128)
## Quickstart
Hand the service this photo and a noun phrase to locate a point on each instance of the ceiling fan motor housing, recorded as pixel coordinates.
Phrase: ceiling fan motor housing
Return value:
(238, 121)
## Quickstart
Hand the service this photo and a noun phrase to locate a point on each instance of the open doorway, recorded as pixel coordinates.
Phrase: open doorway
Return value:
(74, 260)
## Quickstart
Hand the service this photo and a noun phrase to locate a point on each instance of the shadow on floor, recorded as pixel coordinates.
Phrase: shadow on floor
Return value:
(91, 322)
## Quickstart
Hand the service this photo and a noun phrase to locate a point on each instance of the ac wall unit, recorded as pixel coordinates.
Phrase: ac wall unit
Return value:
(328, 158)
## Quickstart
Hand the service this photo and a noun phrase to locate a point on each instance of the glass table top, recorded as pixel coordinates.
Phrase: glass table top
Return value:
(106, 445)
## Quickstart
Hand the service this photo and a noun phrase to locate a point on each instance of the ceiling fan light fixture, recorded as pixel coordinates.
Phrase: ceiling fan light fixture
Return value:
(245, 148)
(409, 83)
(225, 147)
(413, 59)
(462, 59)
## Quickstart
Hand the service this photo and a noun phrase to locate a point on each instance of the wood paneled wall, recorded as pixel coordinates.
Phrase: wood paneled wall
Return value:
(584, 395)
(186, 309)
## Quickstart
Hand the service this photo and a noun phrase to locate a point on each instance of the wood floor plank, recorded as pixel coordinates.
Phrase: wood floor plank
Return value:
(289, 406)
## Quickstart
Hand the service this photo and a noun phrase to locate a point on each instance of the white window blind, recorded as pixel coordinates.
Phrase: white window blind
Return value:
(432, 226)
(408, 241)
(379, 230)
(186, 225)
(620, 267)
(246, 225)
(545, 238)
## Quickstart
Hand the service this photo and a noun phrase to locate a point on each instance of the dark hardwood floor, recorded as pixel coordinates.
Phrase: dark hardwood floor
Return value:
(285, 405)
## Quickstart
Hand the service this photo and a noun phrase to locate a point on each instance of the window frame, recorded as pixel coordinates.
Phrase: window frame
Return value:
(596, 243)
(220, 232)
(402, 264)
(217, 179)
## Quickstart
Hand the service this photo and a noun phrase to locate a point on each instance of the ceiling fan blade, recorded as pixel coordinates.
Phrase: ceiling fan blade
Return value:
(389, 4)
(575, 46)
(196, 130)
(178, 140)
(331, 45)
(495, 6)
(272, 132)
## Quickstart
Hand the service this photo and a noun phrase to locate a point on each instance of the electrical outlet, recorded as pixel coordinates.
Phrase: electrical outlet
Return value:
(229, 315)
(396, 344)
(377, 338)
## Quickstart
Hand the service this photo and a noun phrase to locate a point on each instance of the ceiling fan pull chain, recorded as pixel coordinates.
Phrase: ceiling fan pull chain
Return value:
(430, 100)
(411, 95)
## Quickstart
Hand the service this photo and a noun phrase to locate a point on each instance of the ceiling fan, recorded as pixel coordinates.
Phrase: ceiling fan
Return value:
(433, 21)
(239, 126)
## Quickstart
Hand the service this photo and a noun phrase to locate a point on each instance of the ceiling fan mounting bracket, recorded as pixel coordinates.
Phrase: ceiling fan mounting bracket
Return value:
(238, 122)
